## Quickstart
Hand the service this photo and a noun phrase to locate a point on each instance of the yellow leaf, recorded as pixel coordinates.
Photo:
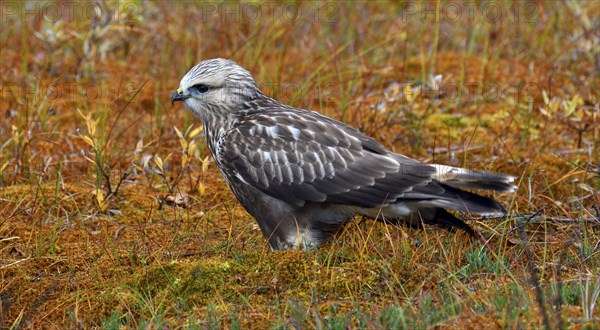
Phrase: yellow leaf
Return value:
(102, 206)
(546, 99)
(91, 125)
(139, 146)
(205, 163)
(554, 106)
(145, 160)
(98, 195)
(184, 160)
(89, 122)
(167, 158)
(569, 107)
(586, 187)
(89, 159)
(183, 143)
(81, 114)
(187, 131)
(159, 162)
(195, 132)
(191, 147)
(87, 140)
(179, 133)
(410, 93)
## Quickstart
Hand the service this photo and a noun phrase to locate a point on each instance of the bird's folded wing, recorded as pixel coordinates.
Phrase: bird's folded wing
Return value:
(304, 157)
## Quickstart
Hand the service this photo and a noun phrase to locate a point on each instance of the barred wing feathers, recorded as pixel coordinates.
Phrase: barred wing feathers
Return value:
(299, 156)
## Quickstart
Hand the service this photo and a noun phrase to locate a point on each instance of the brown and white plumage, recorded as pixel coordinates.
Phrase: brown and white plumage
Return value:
(303, 175)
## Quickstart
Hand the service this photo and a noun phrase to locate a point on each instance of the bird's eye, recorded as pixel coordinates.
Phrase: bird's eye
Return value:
(202, 88)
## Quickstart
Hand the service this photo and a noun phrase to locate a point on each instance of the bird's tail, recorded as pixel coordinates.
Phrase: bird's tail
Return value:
(460, 200)
(445, 191)
(462, 179)
(432, 200)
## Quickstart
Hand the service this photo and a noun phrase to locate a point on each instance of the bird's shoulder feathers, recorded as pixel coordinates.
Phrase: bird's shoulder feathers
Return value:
(301, 156)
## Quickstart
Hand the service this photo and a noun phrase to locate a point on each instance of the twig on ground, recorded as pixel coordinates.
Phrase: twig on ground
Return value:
(536, 217)
(533, 272)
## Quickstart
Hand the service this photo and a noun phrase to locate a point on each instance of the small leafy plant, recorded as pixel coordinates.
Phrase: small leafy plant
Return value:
(155, 165)
(104, 189)
(573, 113)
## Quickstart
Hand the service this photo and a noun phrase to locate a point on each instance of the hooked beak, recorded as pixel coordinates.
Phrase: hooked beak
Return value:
(178, 96)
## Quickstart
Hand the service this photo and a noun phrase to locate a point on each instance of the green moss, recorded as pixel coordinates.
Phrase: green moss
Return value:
(443, 121)
(190, 282)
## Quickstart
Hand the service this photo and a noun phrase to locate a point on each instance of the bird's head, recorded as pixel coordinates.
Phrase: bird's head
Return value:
(215, 87)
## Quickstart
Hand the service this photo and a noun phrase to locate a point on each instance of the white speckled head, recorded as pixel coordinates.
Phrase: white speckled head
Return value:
(215, 87)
